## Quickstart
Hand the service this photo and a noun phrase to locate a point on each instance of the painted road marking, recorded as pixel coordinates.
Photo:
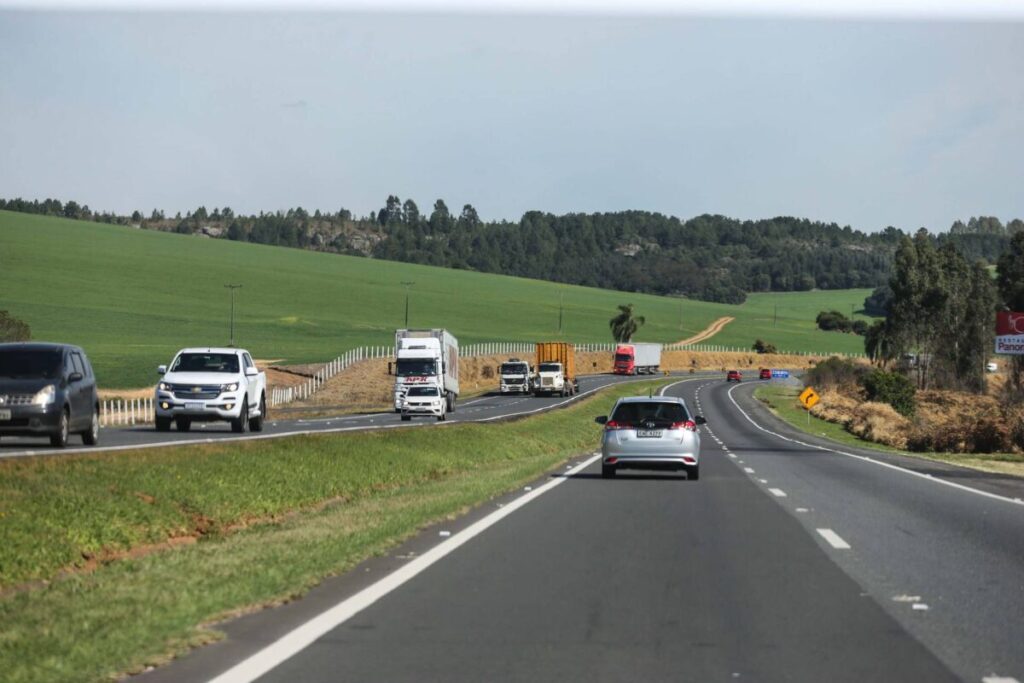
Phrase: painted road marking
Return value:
(864, 458)
(996, 678)
(834, 539)
(748, 470)
(778, 493)
(306, 634)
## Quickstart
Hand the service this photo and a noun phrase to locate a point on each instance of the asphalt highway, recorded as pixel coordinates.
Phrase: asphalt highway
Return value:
(789, 560)
(479, 409)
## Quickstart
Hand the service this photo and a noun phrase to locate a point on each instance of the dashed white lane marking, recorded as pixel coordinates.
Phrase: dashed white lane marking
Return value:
(748, 470)
(802, 510)
(306, 634)
(920, 606)
(763, 481)
(732, 455)
(778, 493)
(833, 539)
(864, 458)
(996, 678)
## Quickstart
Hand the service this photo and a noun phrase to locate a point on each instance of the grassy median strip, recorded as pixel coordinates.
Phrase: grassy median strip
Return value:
(783, 403)
(256, 523)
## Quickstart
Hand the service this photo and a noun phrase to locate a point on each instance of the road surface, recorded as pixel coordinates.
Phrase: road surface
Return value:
(784, 562)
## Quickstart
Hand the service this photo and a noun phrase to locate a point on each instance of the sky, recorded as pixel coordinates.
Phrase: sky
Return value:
(863, 120)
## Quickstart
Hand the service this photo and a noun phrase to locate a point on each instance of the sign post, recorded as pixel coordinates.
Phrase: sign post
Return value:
(809, 397)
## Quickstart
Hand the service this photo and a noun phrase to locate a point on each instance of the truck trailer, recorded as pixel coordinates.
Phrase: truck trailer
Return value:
(556, 369)
(637, 359)
(426, 358)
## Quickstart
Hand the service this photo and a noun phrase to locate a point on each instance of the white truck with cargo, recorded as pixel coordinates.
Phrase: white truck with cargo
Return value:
(637, 359)
(211, 385)
(515, 377)
(426, 358)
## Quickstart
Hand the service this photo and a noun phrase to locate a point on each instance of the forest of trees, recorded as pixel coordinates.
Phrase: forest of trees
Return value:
(709, 257)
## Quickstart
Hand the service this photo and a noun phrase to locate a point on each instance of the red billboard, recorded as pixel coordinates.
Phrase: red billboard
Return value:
(1008, 323)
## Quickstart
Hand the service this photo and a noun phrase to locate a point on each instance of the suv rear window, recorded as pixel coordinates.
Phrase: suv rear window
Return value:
(660, 413)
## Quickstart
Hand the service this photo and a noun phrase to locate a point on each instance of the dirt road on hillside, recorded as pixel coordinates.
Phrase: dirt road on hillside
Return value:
(709, 332)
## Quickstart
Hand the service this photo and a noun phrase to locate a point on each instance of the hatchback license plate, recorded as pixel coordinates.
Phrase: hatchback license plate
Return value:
(194, 405)
(5, 415)
(648, 433)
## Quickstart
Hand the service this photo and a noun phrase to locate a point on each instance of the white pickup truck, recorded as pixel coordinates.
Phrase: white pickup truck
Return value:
(211, 385)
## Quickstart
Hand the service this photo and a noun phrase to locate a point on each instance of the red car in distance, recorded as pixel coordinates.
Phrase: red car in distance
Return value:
(766, 373)
(734, 376)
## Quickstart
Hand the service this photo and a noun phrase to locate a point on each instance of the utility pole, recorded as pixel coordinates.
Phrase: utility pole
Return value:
(232, 288)
(407, 285)
(776, 318)
(561, 296)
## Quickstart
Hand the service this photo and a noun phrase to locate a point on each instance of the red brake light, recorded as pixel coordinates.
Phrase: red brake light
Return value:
(689, 424)
(612, 425)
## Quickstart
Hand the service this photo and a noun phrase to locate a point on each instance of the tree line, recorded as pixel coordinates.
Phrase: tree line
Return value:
(708, 257)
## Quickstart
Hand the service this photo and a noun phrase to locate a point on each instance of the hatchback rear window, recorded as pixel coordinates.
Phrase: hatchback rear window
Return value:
(660, 413)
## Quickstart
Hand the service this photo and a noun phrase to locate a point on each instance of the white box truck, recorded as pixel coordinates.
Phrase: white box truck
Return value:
(426, 358)
(637, 359)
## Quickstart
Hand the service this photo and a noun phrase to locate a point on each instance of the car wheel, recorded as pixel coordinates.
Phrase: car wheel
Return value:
(442, 418)
(607, 471)
(60, 437)
(92, 436)
(238, 425)
(163, 424)
(183, 424)
(256, 423)
(406, 418)
(693, 473)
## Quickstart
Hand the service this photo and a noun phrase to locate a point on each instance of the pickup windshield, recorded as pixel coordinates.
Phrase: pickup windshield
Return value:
(206, 362)
(550, 367)
(417, 367)
(661, 414)
(41, 364)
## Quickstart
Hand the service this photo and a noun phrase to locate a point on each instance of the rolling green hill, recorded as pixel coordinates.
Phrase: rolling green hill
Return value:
(132, 297)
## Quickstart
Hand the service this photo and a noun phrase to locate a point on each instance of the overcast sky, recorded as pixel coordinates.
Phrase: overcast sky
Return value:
(862, 122)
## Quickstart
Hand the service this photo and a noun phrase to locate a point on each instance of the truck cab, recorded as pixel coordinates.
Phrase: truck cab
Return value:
(515, 377)
(426, 358)
(551, 379)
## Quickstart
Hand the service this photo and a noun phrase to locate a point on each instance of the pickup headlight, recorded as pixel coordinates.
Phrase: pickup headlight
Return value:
(45, 396)
(229, 387)
(164, 386)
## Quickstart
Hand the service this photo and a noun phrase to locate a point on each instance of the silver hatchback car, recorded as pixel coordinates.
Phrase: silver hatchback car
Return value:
(650, 433)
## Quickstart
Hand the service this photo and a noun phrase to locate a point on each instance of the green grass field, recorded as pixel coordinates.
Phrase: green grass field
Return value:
(131, 298)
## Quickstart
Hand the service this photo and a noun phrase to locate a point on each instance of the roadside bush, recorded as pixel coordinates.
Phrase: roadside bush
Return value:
(892, 388)
(12, 329)
(837, 373)
(833, 320)
(761, 346)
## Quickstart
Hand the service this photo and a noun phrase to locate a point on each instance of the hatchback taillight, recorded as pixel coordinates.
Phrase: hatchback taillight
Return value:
(689, 424)
(612, 425)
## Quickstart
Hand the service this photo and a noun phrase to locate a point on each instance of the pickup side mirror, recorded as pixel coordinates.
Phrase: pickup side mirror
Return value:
(699, 419)
(161, 369)
(75, 377)
(251, 371)
(601, 419)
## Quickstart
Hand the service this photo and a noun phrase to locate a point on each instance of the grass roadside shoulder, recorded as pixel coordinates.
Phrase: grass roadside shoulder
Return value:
(277, 517)
(782, 401)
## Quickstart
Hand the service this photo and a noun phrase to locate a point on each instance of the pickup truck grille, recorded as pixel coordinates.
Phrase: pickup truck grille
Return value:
(205, 391)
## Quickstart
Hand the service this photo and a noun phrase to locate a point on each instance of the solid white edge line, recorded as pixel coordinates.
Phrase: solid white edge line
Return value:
(306, 634)
(834, 539)
(864, 458)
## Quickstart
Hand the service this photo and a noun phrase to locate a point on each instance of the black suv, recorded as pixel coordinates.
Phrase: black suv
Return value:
(48, 390)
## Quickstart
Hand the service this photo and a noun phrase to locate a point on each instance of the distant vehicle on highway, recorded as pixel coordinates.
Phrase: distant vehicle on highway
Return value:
(48, 390)
(991, 366)
(211, 385)
(736, 376)
(637, 359)
(515, 377)
(766, 373)
(426, 358)
(425, 401)
(556, 369)
(650, 433)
